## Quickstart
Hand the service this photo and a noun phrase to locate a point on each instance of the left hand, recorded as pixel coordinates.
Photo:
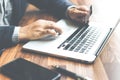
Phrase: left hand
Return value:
(38, 29)
(79, 14)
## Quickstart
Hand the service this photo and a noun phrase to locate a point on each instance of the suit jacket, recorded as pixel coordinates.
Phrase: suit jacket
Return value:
(57, 7)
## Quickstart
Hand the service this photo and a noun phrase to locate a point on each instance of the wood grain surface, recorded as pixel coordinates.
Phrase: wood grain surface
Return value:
(106, 66)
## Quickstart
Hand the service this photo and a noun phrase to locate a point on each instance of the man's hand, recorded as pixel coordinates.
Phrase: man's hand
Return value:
(79, 14)
(38, 29)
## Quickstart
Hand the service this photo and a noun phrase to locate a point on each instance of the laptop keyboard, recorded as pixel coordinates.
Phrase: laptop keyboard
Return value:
(82, 40)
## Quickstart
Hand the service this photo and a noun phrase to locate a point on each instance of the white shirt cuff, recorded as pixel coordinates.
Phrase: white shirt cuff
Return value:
(15, 35)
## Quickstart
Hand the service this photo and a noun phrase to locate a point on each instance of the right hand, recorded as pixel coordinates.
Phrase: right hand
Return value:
(79, 14)
(38, 29)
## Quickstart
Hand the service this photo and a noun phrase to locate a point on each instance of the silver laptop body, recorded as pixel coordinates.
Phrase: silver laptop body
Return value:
(83, 47)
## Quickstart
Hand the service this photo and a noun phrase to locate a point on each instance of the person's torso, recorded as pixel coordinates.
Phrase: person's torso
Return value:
(5, 12)
(11, 11)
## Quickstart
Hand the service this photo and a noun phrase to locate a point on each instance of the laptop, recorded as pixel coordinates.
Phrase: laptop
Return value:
(78, 43)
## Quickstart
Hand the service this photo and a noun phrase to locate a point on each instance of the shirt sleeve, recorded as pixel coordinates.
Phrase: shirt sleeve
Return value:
(15, 35)
(56, 7)
(6, 33)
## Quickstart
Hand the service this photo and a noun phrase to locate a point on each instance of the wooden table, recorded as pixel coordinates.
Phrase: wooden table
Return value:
(106, 66)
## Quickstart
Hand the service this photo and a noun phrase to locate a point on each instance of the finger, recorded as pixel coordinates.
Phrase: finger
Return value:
(83, 8)
(82, 13)
(43, 32)
(81, 20)
(79, 13)
(50, 31)
(55, 27)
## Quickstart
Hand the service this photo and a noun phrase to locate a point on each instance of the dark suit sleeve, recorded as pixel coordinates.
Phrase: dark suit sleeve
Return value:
(6, 33)
(58, 7)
